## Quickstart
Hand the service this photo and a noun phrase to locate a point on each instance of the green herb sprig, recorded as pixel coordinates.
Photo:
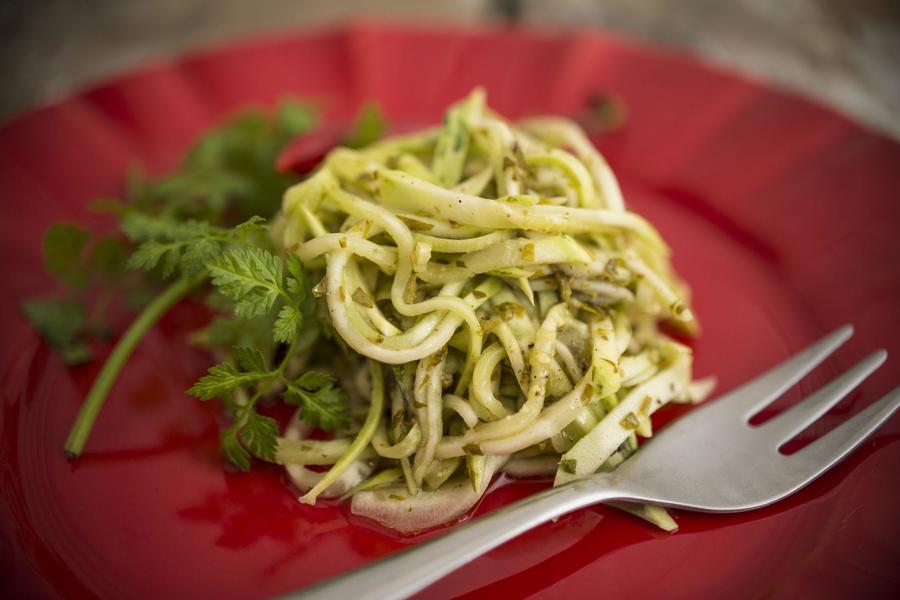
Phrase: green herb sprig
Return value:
(260, 283)
(203, 223)
(85, 264)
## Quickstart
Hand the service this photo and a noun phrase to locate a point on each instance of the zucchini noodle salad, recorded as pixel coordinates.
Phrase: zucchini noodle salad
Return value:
(499, 307)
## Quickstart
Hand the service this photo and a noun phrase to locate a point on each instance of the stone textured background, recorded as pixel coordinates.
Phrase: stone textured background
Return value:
(844, 53)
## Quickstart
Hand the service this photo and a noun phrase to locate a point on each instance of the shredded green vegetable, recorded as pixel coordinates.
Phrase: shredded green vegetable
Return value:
(495, 268)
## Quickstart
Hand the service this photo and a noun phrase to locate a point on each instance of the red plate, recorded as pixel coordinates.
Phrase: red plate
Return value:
(783, 217)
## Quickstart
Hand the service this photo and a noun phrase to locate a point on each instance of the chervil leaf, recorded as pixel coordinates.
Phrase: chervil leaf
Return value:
(222, 379)
(246, 150)
(296, 282)
(77, 354)
(183, 222)
(232, 449)
(228, 333)
(169, 261)
(195, 190)
(63, 246)
(218, 302)
(149, 254)
(294, 117)
(260, 435)
(197, 255)
(60, 323)
(253, 224)
(141, 227)
(324, 408)
(251, 276)
(314, 380)
(187, 245)
(108, 258)
(288, 324)
(370, 125)
(249, 359)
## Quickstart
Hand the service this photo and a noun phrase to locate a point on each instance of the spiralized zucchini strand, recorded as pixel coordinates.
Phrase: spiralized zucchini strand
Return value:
(495, 267)
(405, 447)
(427, 392)
(402, 192)
(482, 386)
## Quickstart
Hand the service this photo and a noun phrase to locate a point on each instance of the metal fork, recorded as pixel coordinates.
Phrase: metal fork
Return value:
(711, 460)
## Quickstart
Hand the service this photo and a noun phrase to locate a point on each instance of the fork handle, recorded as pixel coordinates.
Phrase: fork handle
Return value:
(404, 573)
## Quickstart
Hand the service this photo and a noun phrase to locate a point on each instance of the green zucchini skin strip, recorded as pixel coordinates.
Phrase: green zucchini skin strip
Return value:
(450, 150)
(360, 442)
(589, 453)
(380, 479)
(427, 390)
(542, 466)
(657, 515)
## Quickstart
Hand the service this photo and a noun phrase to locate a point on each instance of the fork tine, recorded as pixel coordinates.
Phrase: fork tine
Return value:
(798, 417)
(748, 399)
(826, 451)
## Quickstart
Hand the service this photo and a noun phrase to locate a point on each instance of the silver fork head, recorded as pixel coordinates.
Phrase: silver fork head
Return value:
(714, 460)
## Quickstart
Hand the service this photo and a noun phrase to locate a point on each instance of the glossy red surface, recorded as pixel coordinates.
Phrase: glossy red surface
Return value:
(782, 216)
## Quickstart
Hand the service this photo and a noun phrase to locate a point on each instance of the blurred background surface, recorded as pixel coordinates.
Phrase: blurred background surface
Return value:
(845, 54)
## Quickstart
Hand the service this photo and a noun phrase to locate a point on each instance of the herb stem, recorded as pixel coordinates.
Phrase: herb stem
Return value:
(110, 371)
(279, 373)
(276, 375)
